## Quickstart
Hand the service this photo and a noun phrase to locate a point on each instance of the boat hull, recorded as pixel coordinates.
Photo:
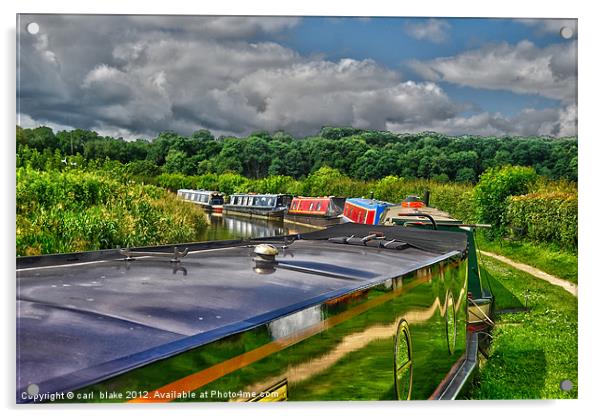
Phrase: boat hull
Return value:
(267, 213)
(313, 220)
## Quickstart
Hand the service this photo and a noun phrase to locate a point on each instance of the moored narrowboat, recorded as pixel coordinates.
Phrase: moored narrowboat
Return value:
(319, 211)
(209, 200)
(417, 213)
(258, 205)
(351, 312)
(364, 211)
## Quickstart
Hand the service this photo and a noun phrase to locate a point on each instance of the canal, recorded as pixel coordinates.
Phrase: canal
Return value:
(221, 226)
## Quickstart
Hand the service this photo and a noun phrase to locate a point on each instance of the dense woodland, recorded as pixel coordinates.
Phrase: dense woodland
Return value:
(357, 153)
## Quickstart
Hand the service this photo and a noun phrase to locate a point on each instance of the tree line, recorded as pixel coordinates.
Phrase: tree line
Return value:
(357, 153)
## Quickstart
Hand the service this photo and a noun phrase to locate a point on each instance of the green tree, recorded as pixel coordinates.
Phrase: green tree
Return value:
(495, 186)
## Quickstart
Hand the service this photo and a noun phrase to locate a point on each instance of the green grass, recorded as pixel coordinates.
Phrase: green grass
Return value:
(533, 351)
(74, 210)
(546, 257)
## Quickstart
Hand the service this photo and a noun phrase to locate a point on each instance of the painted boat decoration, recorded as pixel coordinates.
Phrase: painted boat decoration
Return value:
(271, 319)
(364, 211)
(258, 205)
(319, 211)
(210, 200)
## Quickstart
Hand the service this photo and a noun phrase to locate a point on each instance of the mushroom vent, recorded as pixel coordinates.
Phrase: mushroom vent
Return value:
(265, 253)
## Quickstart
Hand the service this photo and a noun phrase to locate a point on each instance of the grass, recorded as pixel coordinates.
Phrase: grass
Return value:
(546, 257)
(66, 211)
(532, 351)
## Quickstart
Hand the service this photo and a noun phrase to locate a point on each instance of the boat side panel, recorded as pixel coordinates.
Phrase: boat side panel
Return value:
(341, 349)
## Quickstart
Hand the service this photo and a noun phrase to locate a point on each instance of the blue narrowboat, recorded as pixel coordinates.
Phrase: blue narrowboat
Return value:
(364, 211)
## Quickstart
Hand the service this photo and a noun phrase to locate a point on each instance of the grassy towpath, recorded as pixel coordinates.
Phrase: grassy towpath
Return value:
(565, 284)
(534, 342)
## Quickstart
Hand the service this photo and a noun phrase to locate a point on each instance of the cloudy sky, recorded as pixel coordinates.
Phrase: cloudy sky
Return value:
(135, 76)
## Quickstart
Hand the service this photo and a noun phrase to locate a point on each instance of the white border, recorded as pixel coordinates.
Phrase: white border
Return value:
(589, 161)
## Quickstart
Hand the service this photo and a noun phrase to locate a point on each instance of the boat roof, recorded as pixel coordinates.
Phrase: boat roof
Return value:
(83, 318)
(368, 203)
(261, 194)
(438, 215)
(200, 191)
(318, 197)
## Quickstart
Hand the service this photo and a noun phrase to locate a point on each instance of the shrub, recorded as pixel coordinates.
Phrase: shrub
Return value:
(495, 186)
(544, 217)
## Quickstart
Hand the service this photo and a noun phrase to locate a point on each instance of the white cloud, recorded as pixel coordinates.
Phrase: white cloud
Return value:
(545, 26)
(188, 73)
(228, 27)
(433, 30)
(523, 68)
(528, 122)
(26, 121)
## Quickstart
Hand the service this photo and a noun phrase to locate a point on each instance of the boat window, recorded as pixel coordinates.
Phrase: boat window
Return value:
(319, 206)
(271, 201)
(311, 206)
(403, 365)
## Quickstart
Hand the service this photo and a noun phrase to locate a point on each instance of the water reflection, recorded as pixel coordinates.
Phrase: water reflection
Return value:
(220, 226)
(289, 325)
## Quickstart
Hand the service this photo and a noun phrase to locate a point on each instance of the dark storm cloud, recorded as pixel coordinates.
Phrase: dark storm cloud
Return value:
(136, 76)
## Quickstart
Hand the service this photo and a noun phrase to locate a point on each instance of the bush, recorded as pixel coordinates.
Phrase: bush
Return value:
(495, 186)
(544, 217)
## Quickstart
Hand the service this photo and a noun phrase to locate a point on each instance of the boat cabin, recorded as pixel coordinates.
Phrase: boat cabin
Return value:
(208, 199)
(364, 211)
(266, 205)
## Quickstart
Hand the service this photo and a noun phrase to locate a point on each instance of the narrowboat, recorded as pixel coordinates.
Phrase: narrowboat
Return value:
(364, 211)
(417, 213)
(318, 211)
(350, 312)
(258, 205)
(209, 200)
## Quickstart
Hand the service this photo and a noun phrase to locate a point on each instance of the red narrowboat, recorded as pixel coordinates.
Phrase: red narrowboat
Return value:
(319, 211)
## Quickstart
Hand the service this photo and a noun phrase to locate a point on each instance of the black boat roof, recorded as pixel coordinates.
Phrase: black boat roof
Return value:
(86, 317)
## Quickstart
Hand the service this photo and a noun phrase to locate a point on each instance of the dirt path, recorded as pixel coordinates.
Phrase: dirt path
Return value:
(565, 284)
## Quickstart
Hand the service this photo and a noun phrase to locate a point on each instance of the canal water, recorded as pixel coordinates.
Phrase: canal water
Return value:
(221, 226)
